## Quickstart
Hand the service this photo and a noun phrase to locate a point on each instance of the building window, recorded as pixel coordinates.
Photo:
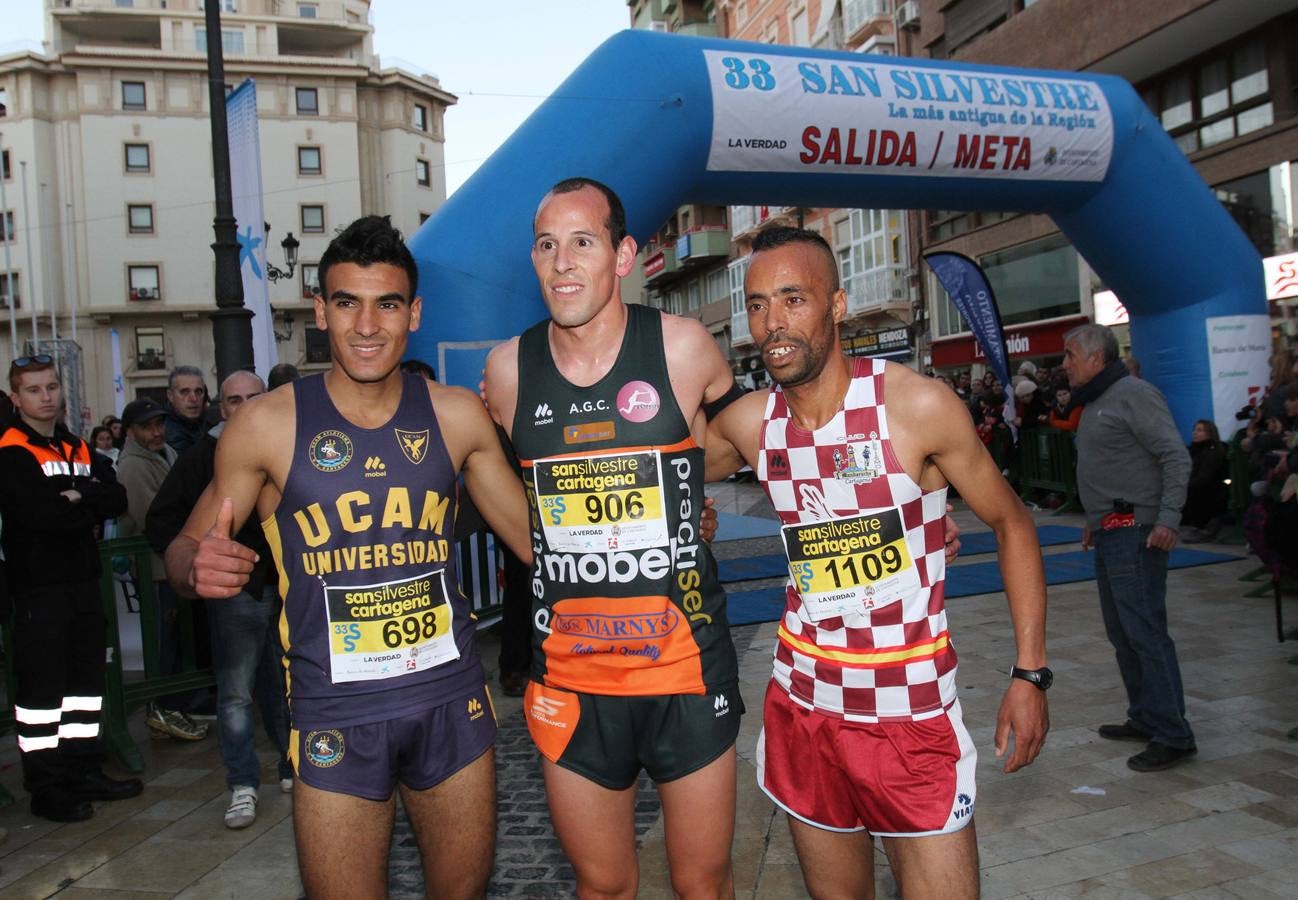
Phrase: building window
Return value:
(143, 282)
(1259, 204)
(133, 95)
(11, 290)
(124, 4)
(870, 246)
(310, 280)
(421, 117)
(139, 218)
(313, 219)
(7, 227)
(1033, 281)
(423, 217)
(231, 40)
(4, 101)
(309, 161)
(137, 158)
(150, 349)
(799, 30)
(5, 172)
(1215, 99)
(308, 102)
(307, 11)
(422, 173)
(226, 5)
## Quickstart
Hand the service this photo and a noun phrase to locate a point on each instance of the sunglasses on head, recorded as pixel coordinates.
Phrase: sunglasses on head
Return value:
(40, 359)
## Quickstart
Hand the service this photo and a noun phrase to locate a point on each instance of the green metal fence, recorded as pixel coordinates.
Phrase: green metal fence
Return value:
(1048, 464)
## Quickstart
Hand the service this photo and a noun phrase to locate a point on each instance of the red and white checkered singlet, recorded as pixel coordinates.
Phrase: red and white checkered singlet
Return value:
(869, 640)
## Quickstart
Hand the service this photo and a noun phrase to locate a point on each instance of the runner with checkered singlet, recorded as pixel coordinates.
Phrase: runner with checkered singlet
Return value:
(862, 730)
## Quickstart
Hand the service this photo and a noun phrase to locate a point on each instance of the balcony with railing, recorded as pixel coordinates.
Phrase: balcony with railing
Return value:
(881, 289)
(864, 18)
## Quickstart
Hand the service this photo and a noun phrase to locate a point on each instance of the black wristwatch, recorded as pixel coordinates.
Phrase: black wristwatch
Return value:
(1041, 677)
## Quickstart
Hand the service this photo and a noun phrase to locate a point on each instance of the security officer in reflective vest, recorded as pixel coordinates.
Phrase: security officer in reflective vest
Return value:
(53, 492)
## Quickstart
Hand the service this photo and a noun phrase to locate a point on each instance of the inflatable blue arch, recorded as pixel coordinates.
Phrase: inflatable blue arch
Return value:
(667, 120)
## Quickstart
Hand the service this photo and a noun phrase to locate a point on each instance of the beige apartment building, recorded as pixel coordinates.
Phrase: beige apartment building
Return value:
(1218, 74)
(107, 168)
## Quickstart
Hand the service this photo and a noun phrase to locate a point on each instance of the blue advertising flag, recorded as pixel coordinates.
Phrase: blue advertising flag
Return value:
(973, 296)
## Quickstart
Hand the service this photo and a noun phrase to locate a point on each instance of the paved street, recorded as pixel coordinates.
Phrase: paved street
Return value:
(1077, 823)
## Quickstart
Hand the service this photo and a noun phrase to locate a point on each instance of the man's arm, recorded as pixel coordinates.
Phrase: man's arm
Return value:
(734, 437)
(102, 494)
(1151, 422)
(699, 373)
(961, 457)
(500, 383)
(488, 476)
(204, 560)
(33, 503)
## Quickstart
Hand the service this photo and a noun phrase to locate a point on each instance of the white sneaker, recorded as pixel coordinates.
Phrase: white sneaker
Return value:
(286, 785)
(243, 807)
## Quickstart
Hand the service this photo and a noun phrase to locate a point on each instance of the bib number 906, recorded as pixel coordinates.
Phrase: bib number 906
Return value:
(612, 508)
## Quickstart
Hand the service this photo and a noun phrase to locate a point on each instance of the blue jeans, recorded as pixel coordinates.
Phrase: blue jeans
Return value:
(1133, 599)
(247, 658)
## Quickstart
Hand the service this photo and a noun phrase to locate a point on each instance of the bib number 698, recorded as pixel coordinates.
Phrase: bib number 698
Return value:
(410, 630)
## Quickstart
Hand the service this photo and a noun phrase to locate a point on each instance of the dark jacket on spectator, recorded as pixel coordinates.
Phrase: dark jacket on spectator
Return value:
(181, 432)
(1207, 496)
(48, 539)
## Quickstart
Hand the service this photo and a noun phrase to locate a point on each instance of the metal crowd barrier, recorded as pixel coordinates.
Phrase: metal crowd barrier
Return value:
(1048, 462)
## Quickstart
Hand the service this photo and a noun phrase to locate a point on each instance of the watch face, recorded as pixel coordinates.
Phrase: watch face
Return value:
(1046, 678)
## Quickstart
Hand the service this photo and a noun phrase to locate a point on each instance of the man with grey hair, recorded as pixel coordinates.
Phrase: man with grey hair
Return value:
(186, 403)
(246, 653)
(1132, 472)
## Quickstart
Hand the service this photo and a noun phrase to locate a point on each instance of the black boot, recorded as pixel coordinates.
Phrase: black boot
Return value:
(58, 806)
(95, 785)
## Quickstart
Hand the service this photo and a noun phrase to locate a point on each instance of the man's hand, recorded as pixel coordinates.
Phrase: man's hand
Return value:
(1086, 537)
(1162, 538)
(951, 535)
(708, 520)
(1023, 714)
(221, 565)
(73, 496)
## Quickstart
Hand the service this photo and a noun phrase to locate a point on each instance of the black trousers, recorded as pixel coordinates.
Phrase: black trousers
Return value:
(58, 652)
(516, 619)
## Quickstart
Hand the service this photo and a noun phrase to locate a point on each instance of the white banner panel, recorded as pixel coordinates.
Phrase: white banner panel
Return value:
(1239, 351)
(245, 189)
(776, 113)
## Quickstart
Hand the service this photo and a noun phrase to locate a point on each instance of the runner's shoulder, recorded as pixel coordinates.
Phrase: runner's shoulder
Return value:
(917, 398)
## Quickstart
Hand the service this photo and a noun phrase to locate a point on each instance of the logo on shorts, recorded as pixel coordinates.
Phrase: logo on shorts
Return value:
(721, 705)
(330, 451)
(637, 401)
(475, 709)
(547, 710)
(964, 806)
(324, 748)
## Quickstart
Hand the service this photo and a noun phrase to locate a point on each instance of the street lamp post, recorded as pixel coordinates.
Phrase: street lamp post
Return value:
(232, 321)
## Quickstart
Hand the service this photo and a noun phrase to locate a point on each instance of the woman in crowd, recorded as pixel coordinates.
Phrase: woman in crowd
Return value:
(1207, 496)
(101, 441)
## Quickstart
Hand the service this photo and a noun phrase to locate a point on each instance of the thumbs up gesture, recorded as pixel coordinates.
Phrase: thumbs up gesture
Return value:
(221, 565)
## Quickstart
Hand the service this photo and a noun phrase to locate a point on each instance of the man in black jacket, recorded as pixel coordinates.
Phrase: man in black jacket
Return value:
(245, 645)
(53, 492)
